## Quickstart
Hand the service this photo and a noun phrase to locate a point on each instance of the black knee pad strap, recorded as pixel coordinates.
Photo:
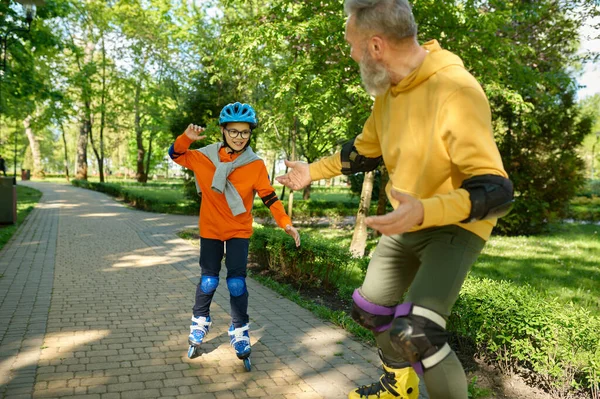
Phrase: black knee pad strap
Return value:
(420, 336)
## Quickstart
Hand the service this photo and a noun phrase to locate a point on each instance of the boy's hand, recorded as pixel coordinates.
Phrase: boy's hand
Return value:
(292, 232)
(193, 132)
(298, 177)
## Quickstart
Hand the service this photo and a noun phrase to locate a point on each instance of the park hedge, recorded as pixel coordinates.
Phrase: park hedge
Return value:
(137, 200)
(514, 327)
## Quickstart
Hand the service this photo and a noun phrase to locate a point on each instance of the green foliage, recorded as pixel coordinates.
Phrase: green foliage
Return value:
(475, 392)
(517, 326)
(141, 71)
(312, 208)
(142, 200)
(356, 183)
(317, 263)
(562, 264)
(585, 208)
(590, 189)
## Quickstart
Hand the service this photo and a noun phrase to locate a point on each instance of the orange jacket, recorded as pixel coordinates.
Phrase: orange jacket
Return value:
(216, 220)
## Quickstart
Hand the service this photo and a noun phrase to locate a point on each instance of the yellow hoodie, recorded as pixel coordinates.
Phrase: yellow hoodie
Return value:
(433, 130)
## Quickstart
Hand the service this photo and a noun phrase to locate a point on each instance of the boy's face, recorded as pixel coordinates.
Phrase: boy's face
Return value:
(237, 134)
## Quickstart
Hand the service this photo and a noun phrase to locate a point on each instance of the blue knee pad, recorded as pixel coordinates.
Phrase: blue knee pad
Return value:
(208, 284)
(236, 286)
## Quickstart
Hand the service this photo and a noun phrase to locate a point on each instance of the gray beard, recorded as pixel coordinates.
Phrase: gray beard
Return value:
(375, 77)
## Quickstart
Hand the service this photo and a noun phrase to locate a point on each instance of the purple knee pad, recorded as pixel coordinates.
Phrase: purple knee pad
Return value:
(417, 333)
(376, 317)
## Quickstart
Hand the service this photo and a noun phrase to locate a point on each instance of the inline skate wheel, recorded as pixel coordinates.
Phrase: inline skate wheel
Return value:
(192, 352)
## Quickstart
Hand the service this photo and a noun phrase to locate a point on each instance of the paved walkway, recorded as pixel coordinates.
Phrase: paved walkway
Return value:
(95, 301)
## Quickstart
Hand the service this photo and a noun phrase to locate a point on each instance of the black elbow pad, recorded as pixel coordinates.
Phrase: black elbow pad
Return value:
(491, 196)
(353, 162)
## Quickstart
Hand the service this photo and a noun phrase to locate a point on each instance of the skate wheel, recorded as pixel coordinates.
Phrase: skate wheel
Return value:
(192, 352)
(247, 364)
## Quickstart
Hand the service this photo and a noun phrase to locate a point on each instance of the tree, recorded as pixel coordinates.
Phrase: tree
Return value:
(590, 150)
(359, 237)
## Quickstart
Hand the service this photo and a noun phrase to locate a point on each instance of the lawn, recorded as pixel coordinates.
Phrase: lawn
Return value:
(26, 200)
(564, 263)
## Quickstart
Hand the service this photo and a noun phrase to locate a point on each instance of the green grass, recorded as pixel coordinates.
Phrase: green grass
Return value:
(167, 193)
(26, 200)
(341, 235)
(564, 263)
(585, 208)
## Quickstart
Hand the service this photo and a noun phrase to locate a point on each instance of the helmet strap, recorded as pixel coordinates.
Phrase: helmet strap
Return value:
(226, 144)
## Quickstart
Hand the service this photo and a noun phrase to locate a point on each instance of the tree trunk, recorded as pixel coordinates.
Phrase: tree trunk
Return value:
(38, 168)
(306, 193)
(82, 140)
(291, 195)
(100, 153)
(290, 203)
(149, 156)
(140, 175)
(382, 199)
(359, 238)
(282, 196)
(85, 118)
(64, 138)
(273, 170)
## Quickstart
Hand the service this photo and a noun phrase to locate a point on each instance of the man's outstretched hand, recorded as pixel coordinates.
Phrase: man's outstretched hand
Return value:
(407, 215)
(292, 232)
(297, 177)
(193, 132)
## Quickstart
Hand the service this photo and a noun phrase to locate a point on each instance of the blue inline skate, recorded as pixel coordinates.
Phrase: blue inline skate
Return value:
(198, 330)
(240, 340)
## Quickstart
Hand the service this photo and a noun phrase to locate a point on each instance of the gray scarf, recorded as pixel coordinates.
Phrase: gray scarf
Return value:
(221, 183)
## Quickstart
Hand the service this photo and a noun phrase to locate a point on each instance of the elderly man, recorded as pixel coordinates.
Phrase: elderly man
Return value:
(431, 125)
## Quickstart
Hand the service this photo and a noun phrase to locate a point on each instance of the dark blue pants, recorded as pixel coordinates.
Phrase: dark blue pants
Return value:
(236, 261)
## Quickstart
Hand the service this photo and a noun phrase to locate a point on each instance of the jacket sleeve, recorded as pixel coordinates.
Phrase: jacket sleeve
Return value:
(267, 194)
(366, 143)
(465, 124)
(180, 154)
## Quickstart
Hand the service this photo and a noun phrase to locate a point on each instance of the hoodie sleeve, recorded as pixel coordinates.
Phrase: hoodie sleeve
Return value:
(180, 154)
(465, 124)
(366, 143)
(266, 192)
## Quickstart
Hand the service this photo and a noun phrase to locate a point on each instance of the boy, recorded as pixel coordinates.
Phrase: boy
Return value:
(228, 174)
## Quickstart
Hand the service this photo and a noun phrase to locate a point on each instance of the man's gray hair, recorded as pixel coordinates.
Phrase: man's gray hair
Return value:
(391, 18)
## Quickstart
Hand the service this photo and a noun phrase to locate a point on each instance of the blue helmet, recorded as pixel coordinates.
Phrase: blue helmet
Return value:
(238, 112)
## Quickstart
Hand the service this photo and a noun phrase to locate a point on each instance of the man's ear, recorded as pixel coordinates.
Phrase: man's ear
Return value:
(376, 47)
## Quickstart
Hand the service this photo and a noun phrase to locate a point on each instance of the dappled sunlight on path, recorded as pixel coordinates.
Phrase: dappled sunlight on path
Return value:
(118, 319)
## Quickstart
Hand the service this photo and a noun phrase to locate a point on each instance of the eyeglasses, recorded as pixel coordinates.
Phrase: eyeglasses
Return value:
(235, 133)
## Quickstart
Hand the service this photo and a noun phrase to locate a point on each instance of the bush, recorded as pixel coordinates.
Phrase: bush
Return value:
(318, 263)
(312, 208)
(515, 326)
(590, 189)
(585, 208)
(137, 200)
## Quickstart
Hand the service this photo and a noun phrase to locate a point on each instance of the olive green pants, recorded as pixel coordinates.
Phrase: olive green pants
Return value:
(429, 266)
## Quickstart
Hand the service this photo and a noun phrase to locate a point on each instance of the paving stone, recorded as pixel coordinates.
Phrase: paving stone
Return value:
(96, 299)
